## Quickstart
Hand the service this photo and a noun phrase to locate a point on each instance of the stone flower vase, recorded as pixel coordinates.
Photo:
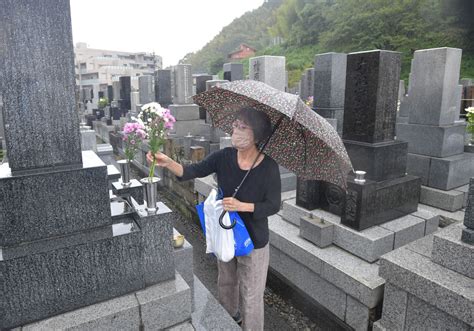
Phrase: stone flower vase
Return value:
(150, 192)
(125, 172)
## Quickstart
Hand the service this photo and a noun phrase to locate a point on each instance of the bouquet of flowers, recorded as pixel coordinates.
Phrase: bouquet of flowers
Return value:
(157, 121)
(133, 135)
(309, 101)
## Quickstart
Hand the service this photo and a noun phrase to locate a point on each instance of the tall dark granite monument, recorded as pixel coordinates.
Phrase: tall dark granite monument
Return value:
(163, 92)
(201, 87)
(370, 106)
(125, 90)
(61, 248)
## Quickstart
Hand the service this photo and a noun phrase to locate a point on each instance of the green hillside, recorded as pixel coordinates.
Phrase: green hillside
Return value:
(309, 27)
(251, 29)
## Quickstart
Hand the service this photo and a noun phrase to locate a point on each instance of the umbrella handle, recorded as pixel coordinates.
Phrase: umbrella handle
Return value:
(221, 223)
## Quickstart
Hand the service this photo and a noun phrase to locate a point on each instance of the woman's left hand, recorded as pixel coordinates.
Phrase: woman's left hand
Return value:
(231, 204)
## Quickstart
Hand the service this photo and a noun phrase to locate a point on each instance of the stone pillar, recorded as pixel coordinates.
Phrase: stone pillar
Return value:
(125, 90)
(32, 141)
(183, 84)
(163, 93)
(146, 88)
(116, 90)
(201, 87)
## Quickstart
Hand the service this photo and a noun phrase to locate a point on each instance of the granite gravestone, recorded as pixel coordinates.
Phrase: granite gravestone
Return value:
(163, 93)
(110, 93)
(201, 87)
(185, 111)
(233, 71)
(328, 93)
(146, 89)
(307, 84)
(61, 249)
(370, 98)
(210, 84)
(183, 84)
(433, 129)
(329, 87)
(201, 82)
(116, 90)
(125, 90)
(270, 70)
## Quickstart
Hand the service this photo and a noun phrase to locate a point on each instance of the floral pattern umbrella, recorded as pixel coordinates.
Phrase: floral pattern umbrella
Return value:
(304, 142)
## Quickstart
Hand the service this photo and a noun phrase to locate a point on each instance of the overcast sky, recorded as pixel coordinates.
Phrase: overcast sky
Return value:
(171, 28)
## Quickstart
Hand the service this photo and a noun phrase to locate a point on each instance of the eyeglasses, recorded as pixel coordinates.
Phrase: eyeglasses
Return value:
(240, 125)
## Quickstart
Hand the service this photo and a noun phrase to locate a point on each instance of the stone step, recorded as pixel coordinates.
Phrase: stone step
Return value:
(368, 244)
(452, 200)
(156, 307)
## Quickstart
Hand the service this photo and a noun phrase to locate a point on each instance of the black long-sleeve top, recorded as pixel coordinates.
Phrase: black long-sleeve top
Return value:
(262, 188)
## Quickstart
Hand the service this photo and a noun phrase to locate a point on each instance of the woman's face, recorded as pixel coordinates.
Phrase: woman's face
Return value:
(242, 135)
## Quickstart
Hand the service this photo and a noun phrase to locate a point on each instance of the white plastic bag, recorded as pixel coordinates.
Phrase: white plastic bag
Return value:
(218, 240)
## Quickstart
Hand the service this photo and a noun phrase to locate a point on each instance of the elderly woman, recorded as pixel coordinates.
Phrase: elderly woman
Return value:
(258, 198)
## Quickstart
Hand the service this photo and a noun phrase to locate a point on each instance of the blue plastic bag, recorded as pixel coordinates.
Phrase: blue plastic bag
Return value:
(243, 243)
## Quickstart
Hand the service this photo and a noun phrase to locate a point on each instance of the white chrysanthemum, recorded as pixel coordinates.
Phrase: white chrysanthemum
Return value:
(469, 109)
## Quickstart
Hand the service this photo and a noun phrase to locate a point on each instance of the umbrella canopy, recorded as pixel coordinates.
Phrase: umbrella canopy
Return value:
(304, 142)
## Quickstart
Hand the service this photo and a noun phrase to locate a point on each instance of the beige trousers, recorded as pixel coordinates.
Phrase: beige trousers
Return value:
(246, 275)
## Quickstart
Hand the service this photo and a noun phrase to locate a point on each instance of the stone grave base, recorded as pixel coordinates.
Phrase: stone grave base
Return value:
(368, 244)
(185, 112)
(182, 128)
(102, 130)
(451, 200)
(88, 140)
(442, 173)
(342, 277)
(180, 304)
(344, 284)
(425, 289)
(156, 307)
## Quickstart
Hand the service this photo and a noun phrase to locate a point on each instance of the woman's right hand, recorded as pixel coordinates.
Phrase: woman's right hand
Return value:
(161, 160)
